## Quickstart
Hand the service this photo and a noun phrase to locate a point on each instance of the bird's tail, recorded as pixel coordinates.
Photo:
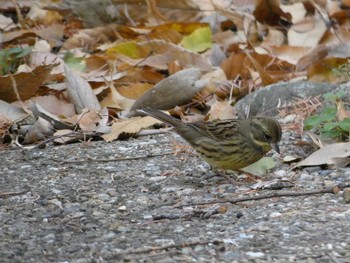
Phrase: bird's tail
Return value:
(159, 115)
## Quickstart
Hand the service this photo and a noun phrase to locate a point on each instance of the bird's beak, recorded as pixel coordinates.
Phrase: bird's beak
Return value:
(275, 147)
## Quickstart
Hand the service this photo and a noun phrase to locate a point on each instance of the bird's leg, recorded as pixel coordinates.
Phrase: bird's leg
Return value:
(222, 173)
(252, 177)
(228, 178)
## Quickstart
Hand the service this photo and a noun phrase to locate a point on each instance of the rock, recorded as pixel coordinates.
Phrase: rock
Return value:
(346, 195)
(267, 99)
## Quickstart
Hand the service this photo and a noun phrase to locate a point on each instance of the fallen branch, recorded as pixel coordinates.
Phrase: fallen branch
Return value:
(8, 194)
(148, 250)
(89, 159)
(329, 190)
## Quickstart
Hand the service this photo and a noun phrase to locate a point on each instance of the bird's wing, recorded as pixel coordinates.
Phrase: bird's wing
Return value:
(218, 130)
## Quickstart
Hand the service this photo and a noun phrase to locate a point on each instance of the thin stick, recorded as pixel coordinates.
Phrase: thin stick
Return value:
(329, 190)
(121, 159)
(148, 250)
(8, 194)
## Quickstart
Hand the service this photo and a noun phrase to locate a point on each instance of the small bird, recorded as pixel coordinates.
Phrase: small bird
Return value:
(227, 144)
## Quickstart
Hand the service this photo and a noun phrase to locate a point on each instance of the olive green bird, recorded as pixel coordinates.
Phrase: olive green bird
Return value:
(227, 144)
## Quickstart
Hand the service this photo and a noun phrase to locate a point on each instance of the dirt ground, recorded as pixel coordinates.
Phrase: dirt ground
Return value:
(68, 204)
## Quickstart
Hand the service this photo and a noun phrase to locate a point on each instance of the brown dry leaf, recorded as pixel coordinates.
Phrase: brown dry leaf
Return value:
(96, 63)
(287, 53)
(53, 33)
(221, 110)
(137, 76)
(324, 70)
(6, 23)
(233, 14)
(234, 66)
(269, 12)
(92, 37)
(11, 112)
(27, 83)
(129, 126)
(38, 58)
(265, 77)
(55, 105)
(135, 90)
(54, 120)
(38, 132)
(154, 15)
(115, 100)
(15, 35)
(80, 92)
(342, 113)
(274, 37)
(157, 54)
(325, 155)
(137, 10)
(339, 162)
(307, 33)
(316, 54)
(217, 76)
(39, 15)
(342, 35)
(89, 120)
(268, 68)
(67, 136)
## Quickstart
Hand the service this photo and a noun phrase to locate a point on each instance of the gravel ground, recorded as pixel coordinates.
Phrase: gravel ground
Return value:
(58, 205)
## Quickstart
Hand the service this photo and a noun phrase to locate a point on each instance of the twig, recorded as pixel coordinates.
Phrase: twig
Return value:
(148, 250)
(8, 194)
(121, 159)
(72, 134)
(329, 190)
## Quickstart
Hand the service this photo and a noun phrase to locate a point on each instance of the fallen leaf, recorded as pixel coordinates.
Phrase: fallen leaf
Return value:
(260, 167)
(342, 113)
(80, 92)
(198, 41)
(27, 84)
(11, 112)
(129, 126)
(221, 110)
(326, 154)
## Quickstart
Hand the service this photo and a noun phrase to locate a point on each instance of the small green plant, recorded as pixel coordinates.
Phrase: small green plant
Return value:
(326, 121)
(77, 63)
(12, 58)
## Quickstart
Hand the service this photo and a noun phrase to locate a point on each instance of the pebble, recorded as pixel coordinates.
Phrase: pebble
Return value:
(346, 195)
(179, 229)
(289, 118)
(255, 254)
(147, 217)
(122, 208)
(280, 173)
(275, 214)
(305, 177)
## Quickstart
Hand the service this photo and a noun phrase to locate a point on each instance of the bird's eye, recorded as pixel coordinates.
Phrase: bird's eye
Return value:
(267, 137)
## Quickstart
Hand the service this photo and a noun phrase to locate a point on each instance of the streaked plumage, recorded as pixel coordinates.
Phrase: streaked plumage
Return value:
(227, 144)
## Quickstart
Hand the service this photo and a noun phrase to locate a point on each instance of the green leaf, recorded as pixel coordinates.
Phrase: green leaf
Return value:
(331, 134)
(312, 122)
(261, 167)
(330, 126)
(345, 125)
(23, 52)
(77, 63)
(199, 41)
(129, 49)
(333, 96)
(328, 114)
